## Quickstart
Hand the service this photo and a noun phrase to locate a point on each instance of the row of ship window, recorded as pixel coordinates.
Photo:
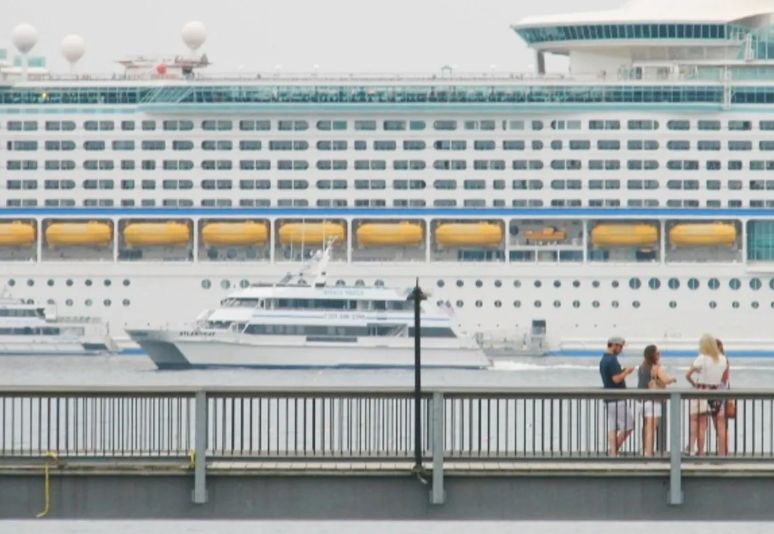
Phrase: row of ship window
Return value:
(388, 145)
(13, 202)
(633, 283)
(250, 125)
(478, 303)
(398, 165)
(378, 184)
(597, 304)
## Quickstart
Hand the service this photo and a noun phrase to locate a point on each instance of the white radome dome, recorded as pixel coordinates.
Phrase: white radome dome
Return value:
(73, 48)
(24, 37)
(194, 34)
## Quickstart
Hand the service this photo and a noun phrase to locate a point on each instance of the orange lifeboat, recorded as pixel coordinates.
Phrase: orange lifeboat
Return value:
(235, 234)
(401, 234)
(311, 234)
(702, 235)
(155, 234)
(17, 234)
(469, 234)
(79, 234)
(624, 235)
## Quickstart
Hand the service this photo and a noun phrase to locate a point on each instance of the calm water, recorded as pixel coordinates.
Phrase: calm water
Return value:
(522, 372)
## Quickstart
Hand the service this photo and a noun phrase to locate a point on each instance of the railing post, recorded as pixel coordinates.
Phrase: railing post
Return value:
(200, 449)
(675, 495)
(438, 494)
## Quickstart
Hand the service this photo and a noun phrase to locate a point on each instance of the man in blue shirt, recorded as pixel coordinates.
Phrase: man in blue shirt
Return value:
(620, 415)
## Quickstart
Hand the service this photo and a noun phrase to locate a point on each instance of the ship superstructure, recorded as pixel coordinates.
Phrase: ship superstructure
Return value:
(631, 195)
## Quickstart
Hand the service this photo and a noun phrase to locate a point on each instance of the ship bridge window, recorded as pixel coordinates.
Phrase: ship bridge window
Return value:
(240, 303)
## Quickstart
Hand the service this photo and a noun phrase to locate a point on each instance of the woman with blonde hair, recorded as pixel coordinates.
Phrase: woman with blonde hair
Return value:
(651, 375)
(709, 367)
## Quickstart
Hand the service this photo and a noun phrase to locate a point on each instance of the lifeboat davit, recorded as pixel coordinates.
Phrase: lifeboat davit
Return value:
(401, 234)
(75, 234)
(469, 234)
(624, 235)
(702, 235)
(548, 234)
(17, 234)
(311, 233)
(235, 234)
(154, 234)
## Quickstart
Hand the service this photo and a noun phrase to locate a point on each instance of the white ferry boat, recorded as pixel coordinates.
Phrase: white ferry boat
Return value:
(632, 194)
(301, 322)
(29, 330)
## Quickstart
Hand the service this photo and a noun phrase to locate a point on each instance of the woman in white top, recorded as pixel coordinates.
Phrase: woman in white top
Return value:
(709, 368)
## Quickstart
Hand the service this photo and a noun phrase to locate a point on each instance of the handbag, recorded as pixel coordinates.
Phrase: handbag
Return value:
(655, 382)
(730, 408)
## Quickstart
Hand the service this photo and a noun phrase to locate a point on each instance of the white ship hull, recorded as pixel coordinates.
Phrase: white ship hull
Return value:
(169, 350)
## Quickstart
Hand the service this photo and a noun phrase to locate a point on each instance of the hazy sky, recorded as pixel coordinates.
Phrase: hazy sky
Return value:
(256, 35)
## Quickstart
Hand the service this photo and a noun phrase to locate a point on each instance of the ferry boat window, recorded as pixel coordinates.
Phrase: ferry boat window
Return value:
(734, 165)
(440, 283)
(417, 125)
(642, 125)
(654, 283)
(516, 125)
(674, 283)
(739, 145)
(713, 304)
(517, 304)
(735, 304)
(206, 284)
(672, 304)
(460, 304)
(445, 125)
(734, 283)
(693, 283)
(755, 284)
(754, 304)
(148, 125)
(513, 145)
(394, 125)
(517, 283)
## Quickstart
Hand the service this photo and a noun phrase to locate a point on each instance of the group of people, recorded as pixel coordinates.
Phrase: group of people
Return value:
(710, 370)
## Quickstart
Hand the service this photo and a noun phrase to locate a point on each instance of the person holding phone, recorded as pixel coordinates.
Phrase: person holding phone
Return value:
(620, 415)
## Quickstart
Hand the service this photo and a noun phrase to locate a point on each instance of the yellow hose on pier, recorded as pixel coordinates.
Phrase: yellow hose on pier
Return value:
(47, 485)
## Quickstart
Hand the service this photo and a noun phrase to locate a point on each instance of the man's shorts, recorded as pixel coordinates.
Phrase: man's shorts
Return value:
(620, 415)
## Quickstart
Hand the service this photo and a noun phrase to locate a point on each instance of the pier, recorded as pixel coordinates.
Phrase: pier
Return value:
(350, 454)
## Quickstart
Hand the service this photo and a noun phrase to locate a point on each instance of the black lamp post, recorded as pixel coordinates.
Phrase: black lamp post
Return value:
(417, 295)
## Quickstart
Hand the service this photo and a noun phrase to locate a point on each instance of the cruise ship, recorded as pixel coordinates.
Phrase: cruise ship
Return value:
(632, 194)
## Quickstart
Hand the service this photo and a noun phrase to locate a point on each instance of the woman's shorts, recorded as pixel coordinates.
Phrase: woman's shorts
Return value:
(651, 408)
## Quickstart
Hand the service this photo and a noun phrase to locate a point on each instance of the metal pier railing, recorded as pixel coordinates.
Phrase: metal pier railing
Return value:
(375, 427)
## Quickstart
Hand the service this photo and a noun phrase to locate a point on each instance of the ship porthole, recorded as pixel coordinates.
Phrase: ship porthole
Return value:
(206, 284)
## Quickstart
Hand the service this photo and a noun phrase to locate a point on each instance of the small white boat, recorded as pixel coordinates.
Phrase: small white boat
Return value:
(27, 329)
(301, 322)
